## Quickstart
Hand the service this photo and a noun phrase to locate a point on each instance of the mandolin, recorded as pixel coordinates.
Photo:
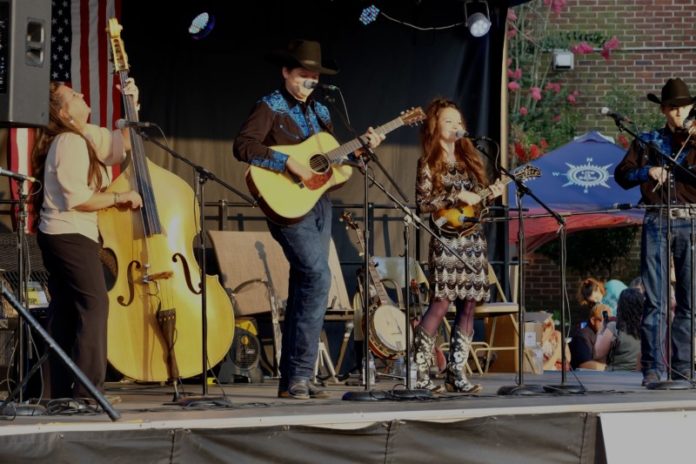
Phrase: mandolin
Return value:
(461, 220)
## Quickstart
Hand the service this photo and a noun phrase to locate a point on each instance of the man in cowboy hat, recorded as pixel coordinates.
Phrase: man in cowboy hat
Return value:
(661, 183)
(289, 116)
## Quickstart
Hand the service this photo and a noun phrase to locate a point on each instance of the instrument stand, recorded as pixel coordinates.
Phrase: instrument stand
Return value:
(202, 175)
(7, 407)
(324, 362)
(670, 164)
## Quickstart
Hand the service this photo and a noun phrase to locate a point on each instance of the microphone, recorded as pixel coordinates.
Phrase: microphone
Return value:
(318, 85)
(622, 206)
(462, 134)
(16, 175)
(616, 116)
(123, 123)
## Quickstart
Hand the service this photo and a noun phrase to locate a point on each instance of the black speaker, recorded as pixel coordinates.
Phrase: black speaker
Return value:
(25, 62)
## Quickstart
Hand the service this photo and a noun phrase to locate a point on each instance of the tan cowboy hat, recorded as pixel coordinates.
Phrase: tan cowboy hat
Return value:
(674, 93)
(305, 53)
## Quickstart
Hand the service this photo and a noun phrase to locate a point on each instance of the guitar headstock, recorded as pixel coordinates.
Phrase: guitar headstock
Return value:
(347, 217)
(526, 172)
(118, 51)
(413, 116)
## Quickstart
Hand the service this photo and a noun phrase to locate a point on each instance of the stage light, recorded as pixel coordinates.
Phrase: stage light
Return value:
(478, 23)
(201, 25)
(369, 15)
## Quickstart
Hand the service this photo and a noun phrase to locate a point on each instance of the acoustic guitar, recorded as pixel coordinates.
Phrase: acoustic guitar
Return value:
(284, 198)
(461, 220)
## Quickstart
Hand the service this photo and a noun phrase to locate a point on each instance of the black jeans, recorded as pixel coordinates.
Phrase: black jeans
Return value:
(77, 313)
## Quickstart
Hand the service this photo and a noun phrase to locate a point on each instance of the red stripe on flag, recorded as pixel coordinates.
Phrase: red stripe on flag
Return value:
(84, 51)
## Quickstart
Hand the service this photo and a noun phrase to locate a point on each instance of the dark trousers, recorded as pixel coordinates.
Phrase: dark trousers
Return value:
(77, 313)
(306, 246)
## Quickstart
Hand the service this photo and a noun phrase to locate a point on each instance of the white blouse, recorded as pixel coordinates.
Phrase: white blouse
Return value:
(65, 180)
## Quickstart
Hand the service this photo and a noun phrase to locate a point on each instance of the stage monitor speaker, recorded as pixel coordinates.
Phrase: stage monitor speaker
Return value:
(25, 62)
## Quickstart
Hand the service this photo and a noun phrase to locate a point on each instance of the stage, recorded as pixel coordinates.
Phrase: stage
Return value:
(259, 427)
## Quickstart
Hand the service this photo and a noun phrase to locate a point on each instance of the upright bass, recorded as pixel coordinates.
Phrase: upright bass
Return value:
(155, 317)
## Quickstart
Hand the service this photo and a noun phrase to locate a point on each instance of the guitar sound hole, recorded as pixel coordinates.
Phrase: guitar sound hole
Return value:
(319, 163)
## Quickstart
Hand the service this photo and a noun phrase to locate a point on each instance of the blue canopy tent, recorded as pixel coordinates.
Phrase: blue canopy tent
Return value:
(577, 178)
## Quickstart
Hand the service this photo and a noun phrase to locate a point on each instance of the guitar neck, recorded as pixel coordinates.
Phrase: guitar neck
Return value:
(344, 150)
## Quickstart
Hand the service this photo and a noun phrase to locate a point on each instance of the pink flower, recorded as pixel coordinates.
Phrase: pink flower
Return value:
(524, 111)
(612, 44)
(556, 118)
(555, 5)
(534, 151)
(512, 32)
(513, 86)
(519, 151)
(511, 15)
(536, 93)
(554, 86)
(609, 45)
(583, 48)
(518, 74)
(509, 62)
(571, 99)
(543, 144)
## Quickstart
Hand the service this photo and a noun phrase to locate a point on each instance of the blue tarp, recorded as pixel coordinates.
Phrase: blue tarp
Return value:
(579, 176)
(575, 178)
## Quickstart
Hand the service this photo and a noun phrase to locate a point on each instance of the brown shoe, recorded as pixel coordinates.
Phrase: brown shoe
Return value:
(303, 390)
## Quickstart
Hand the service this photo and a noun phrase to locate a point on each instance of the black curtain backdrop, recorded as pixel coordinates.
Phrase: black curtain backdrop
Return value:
(200, 91)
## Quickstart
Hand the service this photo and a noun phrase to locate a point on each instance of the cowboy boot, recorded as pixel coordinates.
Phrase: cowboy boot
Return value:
(455, 380)
(423, 358)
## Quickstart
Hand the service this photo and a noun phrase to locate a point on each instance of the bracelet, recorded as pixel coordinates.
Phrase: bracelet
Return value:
(115, 198)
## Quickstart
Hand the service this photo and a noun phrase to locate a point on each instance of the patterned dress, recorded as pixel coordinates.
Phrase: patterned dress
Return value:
(449, 278)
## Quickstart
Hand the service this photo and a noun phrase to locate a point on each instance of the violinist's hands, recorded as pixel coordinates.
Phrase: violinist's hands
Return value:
(132, 199)
(300, 170)
(658, 173)
(469, 198)
(497, 188)
(131, 89)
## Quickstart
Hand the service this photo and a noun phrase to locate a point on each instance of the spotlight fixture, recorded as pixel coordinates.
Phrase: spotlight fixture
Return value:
(201, 25)
(369, 15)
(478, 23)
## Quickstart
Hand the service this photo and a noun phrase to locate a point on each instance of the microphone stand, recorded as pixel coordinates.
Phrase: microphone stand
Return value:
(202, 175)
(520, 389)
(669, 164)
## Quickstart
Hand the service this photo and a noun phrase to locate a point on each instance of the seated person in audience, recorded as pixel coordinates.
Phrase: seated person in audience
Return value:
(620, 345)
(590, 292)
(582, 345)
(613, 289)
(551, 346)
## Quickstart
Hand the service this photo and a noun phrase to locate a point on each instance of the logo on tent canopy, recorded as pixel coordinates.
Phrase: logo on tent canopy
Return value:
(586, 175)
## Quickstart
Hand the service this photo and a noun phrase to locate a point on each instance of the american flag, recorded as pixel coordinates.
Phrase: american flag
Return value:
(80, 58)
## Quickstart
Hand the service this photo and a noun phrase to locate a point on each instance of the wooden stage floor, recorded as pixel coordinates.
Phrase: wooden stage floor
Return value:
(257, 405)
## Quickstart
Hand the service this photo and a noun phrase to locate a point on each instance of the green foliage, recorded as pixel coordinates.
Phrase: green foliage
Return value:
(593, 252)
(625, 100)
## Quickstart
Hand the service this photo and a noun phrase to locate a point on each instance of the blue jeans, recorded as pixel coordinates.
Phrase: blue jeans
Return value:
(306, 246)
(654, 271)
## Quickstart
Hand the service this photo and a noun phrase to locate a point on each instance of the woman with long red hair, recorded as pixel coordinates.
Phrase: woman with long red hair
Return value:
(450, 173)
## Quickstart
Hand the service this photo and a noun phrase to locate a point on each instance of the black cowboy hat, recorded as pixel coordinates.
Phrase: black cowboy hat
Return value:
(674, 93)
(304, 53)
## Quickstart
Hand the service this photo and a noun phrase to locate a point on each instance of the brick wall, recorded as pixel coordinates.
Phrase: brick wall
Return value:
(657, 42)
